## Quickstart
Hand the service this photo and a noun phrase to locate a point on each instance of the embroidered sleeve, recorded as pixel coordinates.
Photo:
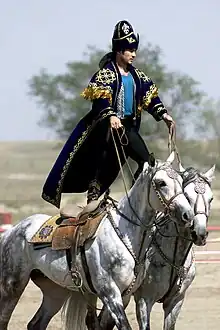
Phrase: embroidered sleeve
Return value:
(100, 86)
(100, 92)
(150, 100)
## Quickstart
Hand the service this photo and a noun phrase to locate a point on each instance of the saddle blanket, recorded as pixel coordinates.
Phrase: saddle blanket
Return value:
(62, 233)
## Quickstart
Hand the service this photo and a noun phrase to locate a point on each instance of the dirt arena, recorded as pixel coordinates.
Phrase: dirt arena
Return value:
(201, 309)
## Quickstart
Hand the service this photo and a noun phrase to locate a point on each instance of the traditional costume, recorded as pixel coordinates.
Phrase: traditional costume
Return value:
(88, 160)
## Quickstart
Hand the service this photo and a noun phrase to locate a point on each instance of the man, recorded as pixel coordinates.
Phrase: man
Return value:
(119, 93)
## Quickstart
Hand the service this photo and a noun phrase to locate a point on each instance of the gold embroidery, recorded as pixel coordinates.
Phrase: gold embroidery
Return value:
(124, 37)
(150, 94)
(93, 91)
(45, 232)
(130, 40)
(111, 112)
(139, 110)
(105, 77)
(142, 75)
(156, 105)
(160, 109)
(56, 201)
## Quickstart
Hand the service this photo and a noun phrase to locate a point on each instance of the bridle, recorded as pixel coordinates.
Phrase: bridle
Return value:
(173, 175)
(166, 167)
(200, 188)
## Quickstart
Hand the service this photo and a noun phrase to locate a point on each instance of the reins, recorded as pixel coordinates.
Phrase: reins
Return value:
(172, 142)
(171, 147)
(123, 179)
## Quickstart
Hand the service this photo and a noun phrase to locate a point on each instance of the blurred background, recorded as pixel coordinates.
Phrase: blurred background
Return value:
(49, 50)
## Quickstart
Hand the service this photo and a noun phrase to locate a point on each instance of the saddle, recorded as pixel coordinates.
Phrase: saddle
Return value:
(75, 231)
(65, 231)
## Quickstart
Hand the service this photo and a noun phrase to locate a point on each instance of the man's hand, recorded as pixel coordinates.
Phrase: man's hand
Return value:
(115, 122)
(168, 120)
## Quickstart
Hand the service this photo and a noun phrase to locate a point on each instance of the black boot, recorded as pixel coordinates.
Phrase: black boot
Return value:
(151, 161)
(93, 191)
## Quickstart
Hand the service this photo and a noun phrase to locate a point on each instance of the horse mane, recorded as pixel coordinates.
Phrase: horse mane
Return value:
(191, 173)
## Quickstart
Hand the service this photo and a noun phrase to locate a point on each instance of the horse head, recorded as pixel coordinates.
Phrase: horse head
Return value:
(165, 191)
(197, 189)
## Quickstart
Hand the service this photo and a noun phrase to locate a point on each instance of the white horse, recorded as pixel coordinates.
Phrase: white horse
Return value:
(170, 264)
(115, 257)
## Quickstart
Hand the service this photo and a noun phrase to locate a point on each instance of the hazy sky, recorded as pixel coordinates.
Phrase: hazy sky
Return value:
(48, 33)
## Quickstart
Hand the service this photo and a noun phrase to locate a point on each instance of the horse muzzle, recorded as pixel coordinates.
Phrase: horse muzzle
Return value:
(199, 231)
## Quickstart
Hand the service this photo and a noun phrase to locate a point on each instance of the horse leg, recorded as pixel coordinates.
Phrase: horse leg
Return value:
(14, 277)
(54, 297)
(171, 312)
(113, 310)
(107, 322)
(172, 305)
(92, 321)
(10, 294)
(143, 310)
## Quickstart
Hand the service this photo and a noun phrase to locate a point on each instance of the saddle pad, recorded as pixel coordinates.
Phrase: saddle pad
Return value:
(60, 234)
(45, 232)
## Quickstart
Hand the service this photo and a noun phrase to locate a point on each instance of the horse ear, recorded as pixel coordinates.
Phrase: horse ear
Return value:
(151, 160)
(210, 173)
(171, 157)
(181, 168)
(145, 168)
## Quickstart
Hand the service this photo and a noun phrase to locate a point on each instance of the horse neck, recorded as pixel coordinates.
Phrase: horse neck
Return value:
(139, 214)
(171, 245)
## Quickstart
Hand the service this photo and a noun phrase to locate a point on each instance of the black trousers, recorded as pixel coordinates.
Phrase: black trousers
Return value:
(135, 148)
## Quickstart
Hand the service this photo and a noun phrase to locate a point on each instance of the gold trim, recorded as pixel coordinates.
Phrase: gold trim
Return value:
(93, 91)
(142, 76)
(156, 105)
(111, 112)
(56, 201)
(131, 40)
(159, 110)
(105, 76)
(51, 222)
(125, 36)
(150, 94)
(117, 82)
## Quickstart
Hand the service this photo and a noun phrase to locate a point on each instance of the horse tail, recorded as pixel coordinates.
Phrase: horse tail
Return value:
(74, 311)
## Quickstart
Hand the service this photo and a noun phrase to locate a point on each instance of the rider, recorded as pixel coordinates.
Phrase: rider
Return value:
(119, 93)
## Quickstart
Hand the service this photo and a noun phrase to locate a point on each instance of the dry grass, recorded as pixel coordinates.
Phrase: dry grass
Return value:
(23, 169)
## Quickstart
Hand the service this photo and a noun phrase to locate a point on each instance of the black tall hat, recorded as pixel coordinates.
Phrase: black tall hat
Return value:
(124, 37)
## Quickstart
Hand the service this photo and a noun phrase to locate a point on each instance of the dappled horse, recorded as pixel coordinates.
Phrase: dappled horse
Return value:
(114, 258)
(170, 264)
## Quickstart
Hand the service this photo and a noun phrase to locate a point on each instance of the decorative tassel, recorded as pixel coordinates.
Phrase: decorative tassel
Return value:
(93, 92)
(152, 93)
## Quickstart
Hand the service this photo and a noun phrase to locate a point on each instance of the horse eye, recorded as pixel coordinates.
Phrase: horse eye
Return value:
(161, 183)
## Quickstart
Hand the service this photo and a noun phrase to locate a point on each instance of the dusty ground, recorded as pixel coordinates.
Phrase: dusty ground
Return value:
(201, 309)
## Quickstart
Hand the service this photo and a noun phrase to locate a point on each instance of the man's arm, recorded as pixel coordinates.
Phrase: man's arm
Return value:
(99, 91)
(152, 103)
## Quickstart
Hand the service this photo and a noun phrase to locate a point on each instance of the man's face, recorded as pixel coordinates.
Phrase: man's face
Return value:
(128, 56)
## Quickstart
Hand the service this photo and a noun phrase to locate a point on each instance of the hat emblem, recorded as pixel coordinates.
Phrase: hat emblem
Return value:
(125, 28)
